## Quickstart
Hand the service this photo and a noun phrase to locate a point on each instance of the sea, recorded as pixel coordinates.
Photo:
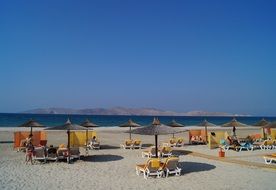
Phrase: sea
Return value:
(50, 120)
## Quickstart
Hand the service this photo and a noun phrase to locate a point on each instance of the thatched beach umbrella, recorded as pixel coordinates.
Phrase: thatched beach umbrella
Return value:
(68, 126)
(262, 123)
(173, 123)
(269, 126)
(156, 128)
(88, 124)
(31, 123)
(206, 124)
(130, 124)
(234, 123)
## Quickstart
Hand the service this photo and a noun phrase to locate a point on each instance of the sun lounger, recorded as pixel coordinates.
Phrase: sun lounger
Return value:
(149, 153)
(62, 154)
(166, 151)
(225, 145)
(266, 145)
(94, 145)
(51, 154)
(39, 154)
(197, 140)
(137, 144)
(151, 168)
(172, 142)
(171, 167)
(245, 146)
(270, 158)
(180, 142)
(75, 153)
(127, 144)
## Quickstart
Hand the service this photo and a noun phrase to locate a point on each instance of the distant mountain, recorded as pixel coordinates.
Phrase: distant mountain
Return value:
(124, 111)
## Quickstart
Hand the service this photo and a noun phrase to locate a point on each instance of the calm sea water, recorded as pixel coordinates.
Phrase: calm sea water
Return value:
(13, 120)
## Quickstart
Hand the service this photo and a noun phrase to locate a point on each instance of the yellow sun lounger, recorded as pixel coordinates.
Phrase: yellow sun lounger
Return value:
(153, 167)
(270, 158)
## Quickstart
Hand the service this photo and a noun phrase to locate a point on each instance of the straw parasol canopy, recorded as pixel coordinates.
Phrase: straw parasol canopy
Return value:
(88, 124)
(206, 124)
(173, 123)
(156, 128)
(234, 123)
(261, 123)
(268, 126)
(130, 124)
(68, 126)
(31, 123)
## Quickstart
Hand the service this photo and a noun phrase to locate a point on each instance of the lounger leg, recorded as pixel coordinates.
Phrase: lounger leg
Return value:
(268, 161)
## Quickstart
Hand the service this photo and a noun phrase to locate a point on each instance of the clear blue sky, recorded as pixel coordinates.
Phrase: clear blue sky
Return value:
(173, 55)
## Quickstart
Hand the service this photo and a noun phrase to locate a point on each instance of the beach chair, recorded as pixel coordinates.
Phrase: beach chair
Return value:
(150, 152)
(225, 145)
(166, 151)
(266, 145)
(127, 144)
(51, 154)
(172, 142)
(94, 145)
(75, 153)
(270, 158)
(137, 144)
(151, 168)
(171, 166)
(245, 146)
(62, 154)
(39, 154)
(180, 142)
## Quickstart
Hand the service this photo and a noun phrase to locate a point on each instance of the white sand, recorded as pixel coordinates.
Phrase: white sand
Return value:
(113, 168)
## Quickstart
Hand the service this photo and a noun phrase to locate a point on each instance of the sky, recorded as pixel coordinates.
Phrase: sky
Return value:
(172, 55)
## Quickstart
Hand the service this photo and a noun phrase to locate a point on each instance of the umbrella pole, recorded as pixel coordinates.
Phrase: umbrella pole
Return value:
(86, 142)
(173, 135)
(31, 130)
(130, 132)
(206, 134)
(264, 133)
(156, 146)
(68, 146)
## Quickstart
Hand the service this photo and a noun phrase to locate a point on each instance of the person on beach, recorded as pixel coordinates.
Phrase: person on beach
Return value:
(234, 131)
(29, 139)
(29, 152)
(94, 140)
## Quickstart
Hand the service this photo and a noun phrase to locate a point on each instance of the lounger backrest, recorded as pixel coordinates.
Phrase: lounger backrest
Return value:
(180, 140)
(153, 165)
(166, 149)
(40, 152)
(153, 150)
(137, 142)
(128, 142)
(172, 163)
(172, 141)
(52, 152)
(61, 151)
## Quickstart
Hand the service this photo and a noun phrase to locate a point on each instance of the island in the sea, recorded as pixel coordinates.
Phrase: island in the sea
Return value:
(126, 111)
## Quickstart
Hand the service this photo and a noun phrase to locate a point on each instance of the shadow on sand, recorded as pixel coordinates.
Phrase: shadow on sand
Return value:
(190, 167)
(109, 147)
(181, 152)
(102, 158)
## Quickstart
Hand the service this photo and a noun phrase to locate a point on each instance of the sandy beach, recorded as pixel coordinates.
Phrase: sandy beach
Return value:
(114, 168)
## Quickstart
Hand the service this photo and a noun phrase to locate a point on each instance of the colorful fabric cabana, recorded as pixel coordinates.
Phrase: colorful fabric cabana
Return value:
(21, 136)
(79, 138)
